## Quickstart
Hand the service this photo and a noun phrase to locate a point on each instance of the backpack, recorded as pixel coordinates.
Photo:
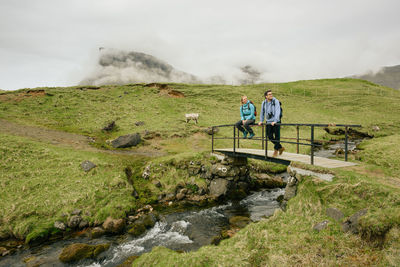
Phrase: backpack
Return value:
(280, 105)
(255, 109)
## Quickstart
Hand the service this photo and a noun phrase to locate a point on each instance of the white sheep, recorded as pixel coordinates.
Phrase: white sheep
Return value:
(192, 116)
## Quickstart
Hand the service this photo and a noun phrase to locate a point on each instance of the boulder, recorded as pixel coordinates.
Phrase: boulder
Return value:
(335, 214)
(126, 141)
(114, 226)
(351, 224)
(80, 251)
(219, 187)
(87, 165)
(320, 226)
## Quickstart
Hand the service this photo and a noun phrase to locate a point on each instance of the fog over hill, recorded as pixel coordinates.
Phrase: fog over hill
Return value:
(387, 76)
(123, 67)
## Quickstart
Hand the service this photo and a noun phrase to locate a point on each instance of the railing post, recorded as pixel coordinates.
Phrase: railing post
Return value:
(312, 144)
(345, 143)
(212, 139)
(262, 135)
(238, 132)
(266, 141)
(234, 140)
(298, 139)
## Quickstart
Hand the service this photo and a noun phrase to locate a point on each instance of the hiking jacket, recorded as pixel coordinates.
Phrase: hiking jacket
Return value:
(272, 108)
(247, 111)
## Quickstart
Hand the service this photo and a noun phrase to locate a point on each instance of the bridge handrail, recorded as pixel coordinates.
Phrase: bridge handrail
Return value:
(298, 124)
(312, 140)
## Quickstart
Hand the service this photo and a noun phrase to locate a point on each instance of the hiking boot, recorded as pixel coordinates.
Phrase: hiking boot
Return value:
(275, 154)
(244, 134)
(281, 150)
(251, 135)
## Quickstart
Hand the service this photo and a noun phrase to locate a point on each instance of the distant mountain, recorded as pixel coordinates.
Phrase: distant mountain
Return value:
(122, 67)
(387, 76)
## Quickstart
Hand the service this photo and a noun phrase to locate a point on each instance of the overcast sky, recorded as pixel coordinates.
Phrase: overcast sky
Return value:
(55, 43)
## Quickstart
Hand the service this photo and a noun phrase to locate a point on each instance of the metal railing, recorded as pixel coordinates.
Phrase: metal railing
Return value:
(264, 138)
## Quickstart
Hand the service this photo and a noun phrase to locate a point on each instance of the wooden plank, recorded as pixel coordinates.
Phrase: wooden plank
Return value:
(318, 161)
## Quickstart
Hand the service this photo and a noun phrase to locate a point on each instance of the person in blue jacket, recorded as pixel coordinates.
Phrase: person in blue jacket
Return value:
(271, 110)
(246, 117)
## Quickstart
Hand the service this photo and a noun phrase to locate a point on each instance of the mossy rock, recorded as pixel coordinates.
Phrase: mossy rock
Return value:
(137, 230)
(78, 251)
(145, 222)
(128, 262)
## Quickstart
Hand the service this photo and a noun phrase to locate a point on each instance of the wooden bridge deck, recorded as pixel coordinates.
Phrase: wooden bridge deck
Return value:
(286, 157)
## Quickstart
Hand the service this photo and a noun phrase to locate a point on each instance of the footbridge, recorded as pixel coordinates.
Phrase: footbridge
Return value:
(257, 147)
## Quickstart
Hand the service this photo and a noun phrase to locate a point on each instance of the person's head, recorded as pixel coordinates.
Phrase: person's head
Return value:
(243, 100)
(268, 95)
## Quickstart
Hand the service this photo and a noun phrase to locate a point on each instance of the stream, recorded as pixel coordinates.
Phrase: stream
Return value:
(182, 231)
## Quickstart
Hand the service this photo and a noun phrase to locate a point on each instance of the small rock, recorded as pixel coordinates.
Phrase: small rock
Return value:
(157, 183)
(114, 225)
(109, 127)
(320, 226)
(376, 128)
(180, 196)
(146, 172)
(76, 212)
(97, 232)
(211, 130)
(291, 188)
(59, 225)
(219, 187)
(335, 214)
(139, 123)
(351, 224)
(74, 221)
(87, 165)
(83, 224)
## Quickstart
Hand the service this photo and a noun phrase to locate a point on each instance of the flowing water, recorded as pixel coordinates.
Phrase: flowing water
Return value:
(330, 151)
(183, 231)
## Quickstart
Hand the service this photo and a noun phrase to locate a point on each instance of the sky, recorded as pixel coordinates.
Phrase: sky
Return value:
(56, 43)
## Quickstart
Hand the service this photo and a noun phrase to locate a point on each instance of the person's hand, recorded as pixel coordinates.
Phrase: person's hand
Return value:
(259, 123)
(243, 122)
(273, 123)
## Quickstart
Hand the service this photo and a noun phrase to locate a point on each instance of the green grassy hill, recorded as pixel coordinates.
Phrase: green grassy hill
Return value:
(41, 179)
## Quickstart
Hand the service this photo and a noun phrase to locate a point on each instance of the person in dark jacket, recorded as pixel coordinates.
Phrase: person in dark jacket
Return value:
(246, 117)
(271, 111)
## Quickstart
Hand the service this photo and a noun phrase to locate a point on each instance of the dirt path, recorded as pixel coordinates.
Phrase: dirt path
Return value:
(76, 141)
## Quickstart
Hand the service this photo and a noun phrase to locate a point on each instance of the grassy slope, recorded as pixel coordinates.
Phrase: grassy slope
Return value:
(87, 111)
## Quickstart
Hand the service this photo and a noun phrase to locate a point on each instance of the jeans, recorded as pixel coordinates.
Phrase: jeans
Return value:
(274, 135)
(246, 126)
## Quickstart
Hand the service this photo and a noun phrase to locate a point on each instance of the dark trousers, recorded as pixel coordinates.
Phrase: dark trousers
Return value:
(274, 135)
(246, 126)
